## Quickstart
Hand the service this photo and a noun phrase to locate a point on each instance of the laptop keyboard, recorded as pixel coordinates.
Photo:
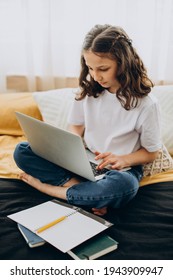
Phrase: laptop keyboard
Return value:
(96, 171)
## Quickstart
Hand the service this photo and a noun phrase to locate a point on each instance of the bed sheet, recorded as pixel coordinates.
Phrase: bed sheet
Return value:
(143, 228)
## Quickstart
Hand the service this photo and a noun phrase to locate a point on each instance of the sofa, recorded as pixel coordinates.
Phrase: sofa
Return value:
(143, 228)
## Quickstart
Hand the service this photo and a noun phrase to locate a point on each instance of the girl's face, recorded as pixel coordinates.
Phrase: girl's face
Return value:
(103, 70)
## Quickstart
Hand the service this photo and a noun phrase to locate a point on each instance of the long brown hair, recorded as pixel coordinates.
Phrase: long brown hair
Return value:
(113, 42)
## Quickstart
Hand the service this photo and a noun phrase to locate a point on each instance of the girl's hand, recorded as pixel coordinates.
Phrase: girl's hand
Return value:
(110, 160)
(142, 156)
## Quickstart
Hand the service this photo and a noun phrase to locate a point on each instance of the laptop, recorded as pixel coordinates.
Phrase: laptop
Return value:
(60, 147)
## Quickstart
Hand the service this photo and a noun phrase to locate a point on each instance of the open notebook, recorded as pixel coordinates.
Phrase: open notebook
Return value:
(75, 227)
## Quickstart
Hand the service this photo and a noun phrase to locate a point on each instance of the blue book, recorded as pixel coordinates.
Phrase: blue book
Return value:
(94, 248)
(32, 239)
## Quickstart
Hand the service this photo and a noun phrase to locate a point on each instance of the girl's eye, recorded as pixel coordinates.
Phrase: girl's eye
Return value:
(90, 69)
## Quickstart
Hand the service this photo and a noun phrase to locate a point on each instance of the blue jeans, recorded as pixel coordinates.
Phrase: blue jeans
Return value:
(116, 188)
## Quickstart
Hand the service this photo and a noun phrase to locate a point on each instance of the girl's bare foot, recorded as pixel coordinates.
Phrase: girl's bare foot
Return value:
(36, 183)
(55, 191)
(99, 211)
(32, 181)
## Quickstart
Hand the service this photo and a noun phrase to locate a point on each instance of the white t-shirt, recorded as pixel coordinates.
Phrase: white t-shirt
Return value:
(111, 128)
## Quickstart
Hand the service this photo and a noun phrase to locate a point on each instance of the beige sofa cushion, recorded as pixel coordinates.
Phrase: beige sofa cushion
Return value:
(165, 96)
(54, 105)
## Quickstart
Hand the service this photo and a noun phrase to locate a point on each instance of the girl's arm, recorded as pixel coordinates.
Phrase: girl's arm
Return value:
(76, 129)
(141, 156)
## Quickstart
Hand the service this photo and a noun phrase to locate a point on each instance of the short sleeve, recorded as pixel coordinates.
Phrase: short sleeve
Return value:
(76, 114)
(149, 128)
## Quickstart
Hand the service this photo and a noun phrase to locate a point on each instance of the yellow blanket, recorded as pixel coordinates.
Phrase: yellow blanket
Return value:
(157, 178)
(8, 168)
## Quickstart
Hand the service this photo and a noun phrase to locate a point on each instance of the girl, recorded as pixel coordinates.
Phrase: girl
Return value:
(118, 119)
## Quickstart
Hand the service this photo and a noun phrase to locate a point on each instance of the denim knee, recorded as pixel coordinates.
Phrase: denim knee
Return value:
(20, 154)
(116, 189)
(122, 186)
(126, 189)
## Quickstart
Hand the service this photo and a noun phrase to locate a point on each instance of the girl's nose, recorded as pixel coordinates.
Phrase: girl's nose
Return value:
(97, 77)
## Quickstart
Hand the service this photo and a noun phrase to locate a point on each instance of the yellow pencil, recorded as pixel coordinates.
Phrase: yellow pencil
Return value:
(51, 224)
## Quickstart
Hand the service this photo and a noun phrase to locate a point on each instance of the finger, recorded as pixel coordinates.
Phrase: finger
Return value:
(106, 163)
(116, 166)
(102, 155)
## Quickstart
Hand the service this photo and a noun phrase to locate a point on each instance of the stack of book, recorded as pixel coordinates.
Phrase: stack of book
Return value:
(44, 222)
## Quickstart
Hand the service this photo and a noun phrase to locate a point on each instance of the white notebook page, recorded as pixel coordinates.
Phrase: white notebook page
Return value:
(66, 234)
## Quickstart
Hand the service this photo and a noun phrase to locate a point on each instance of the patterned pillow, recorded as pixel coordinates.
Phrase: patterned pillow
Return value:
(163, 162)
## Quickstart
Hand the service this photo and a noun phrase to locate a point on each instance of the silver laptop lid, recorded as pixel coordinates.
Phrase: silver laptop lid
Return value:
(56, 145)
